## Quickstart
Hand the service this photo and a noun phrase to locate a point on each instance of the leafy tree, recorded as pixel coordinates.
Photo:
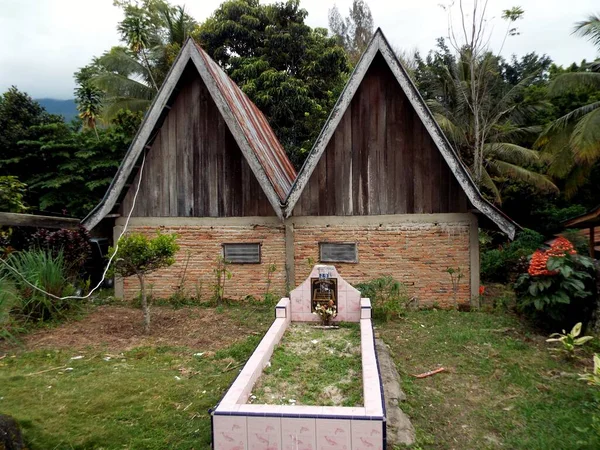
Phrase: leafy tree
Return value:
(138, 255)
(88, 98)
(501, 110)
(354, 31)
(153, 32)
(70, 169)
(573, 140)
(292, 72)
(18, 113)
(11, 195)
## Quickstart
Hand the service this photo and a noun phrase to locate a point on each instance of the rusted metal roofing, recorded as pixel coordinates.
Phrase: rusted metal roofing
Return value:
(258, 132)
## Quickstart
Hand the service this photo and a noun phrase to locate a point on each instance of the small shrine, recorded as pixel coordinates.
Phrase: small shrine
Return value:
(324, 287)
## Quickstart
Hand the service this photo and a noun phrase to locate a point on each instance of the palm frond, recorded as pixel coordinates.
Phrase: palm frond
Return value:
(488, 183)
(116, 85)
(568, 82)
(575, 179)
(454, 132)
(507, 134)
(508, 170)
(571, 117)
(122, 61)
(589, 28)
(115, 104)
(512, 153)
(585, 139)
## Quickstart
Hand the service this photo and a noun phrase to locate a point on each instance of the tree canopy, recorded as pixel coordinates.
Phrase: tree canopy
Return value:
(291, 71)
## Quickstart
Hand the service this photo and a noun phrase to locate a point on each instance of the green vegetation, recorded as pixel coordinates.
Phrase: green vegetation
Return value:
(389, 298)
(502, 387)
(151, 396)
(314, 367)
(138, 255)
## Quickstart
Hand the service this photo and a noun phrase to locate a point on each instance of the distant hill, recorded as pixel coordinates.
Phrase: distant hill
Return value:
(65, 108)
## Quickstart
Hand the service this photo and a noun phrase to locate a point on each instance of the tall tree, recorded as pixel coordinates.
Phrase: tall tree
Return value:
(502, 111)
(292, 72)
(88, 98)
(573, 140)
(18, 113)
(470, 40)
(354, 31)
(152, 32)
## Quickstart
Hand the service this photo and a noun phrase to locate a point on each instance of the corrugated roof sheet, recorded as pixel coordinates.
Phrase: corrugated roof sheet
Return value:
(258, 132)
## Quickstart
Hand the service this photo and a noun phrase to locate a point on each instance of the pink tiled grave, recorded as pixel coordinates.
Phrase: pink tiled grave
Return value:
(238, 425)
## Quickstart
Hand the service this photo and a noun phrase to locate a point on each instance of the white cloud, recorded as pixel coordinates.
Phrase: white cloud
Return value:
(45, 41)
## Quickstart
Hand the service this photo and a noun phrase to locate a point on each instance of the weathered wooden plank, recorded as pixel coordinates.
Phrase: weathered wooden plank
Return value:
(31, 220)
(196, 143)
(348, 163)
(428, 175)
(171, 164)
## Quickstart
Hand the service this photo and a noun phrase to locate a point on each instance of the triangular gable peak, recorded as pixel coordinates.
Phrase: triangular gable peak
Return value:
(247, 125)
(378, 50)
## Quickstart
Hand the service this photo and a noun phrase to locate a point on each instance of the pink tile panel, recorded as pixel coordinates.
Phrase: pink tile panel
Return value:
(298, 434)
(333, 434)
(367, 435)
(264, 433)
(230, 433)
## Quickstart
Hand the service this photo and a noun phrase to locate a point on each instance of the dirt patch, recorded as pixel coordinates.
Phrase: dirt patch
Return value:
(120, 328)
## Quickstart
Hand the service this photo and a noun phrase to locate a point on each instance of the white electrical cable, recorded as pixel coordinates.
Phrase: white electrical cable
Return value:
(73, 297)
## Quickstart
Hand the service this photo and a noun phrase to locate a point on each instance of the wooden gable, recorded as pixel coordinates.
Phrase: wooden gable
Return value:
(195, 167)
(381, 159)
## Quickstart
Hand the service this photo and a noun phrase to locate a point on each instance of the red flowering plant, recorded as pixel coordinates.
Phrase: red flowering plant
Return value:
(555, 276)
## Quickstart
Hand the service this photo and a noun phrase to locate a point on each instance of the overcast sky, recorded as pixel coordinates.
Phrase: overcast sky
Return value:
(45, 41)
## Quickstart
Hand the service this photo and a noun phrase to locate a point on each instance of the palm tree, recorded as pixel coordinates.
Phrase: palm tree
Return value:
(131, 75)
(573, 141)
(489, 147)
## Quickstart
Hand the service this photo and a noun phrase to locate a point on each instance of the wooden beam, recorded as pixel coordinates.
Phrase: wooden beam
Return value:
(592, 241)
(31, 220)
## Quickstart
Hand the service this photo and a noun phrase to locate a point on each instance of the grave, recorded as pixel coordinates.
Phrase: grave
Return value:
(240, 425)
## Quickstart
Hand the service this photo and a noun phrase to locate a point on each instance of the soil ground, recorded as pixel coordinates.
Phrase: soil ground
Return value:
(119, 328)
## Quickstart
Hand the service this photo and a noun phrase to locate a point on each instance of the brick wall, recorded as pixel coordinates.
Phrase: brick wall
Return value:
(203, 245)
(414, 253)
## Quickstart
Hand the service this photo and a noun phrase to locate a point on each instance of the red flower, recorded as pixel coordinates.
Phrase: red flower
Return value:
(538, 265)
(481, 290)
(560, 247)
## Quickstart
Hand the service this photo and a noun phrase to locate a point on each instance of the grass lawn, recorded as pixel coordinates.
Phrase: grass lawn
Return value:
(152, 396)
(314, 366)
(502, 387)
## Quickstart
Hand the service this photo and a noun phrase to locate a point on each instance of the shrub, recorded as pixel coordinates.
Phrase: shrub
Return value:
(557, 288)
(139, 255)
(504, 263)
(46, 272)
(389, 298)
(73, 244)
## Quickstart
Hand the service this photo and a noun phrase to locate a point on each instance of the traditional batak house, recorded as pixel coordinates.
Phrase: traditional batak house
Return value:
(381, 193)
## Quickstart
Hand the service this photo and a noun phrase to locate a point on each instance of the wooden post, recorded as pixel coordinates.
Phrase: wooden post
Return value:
(592, 241)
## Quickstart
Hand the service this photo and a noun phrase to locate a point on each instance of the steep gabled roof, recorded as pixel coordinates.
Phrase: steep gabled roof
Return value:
(379, 44)
(247, 124)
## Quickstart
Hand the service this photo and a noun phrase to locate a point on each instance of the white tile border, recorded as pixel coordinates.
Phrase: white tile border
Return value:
(234, 403)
